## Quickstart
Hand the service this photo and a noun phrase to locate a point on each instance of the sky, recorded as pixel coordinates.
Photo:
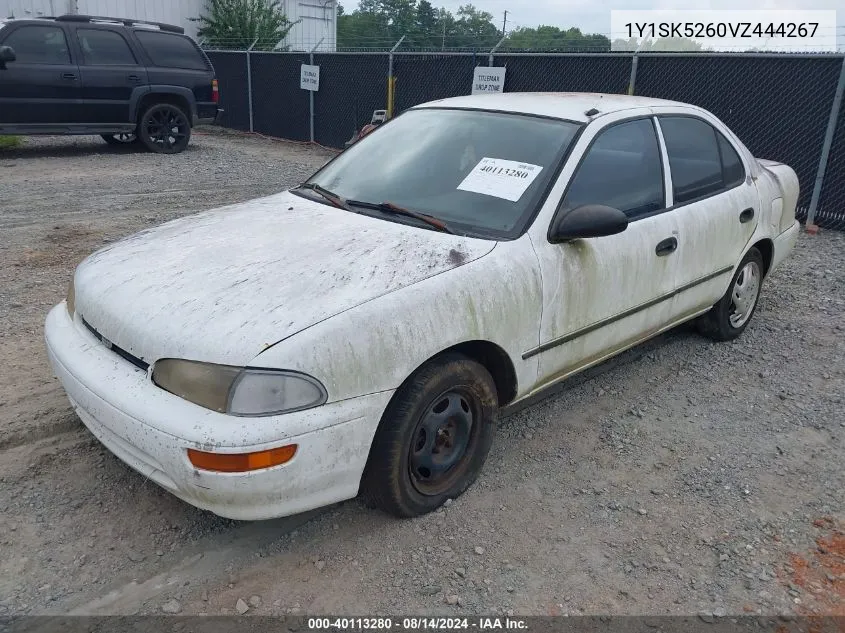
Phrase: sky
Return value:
(594, 15)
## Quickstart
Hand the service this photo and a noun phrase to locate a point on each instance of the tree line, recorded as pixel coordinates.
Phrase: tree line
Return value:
(379, 24)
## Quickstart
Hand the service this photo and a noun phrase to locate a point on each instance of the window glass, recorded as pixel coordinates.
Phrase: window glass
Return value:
(171, 51)
(693, 157)
(733, 172)
(479, 171)
(104, 48)
(621, 169)
(38, 44)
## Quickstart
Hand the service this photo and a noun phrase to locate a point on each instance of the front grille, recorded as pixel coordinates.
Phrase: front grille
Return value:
(117, 350)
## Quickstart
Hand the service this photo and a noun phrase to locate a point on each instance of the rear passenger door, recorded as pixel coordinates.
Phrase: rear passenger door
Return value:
(41, 87)
(606, 293)
(112, 77)
(715, 205)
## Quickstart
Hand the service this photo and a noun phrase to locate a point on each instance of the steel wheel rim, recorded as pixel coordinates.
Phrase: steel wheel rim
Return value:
(443, 441)
(744, 293)
(167, 127)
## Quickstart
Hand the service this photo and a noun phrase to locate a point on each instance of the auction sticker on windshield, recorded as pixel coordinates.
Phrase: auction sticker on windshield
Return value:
(500, 178)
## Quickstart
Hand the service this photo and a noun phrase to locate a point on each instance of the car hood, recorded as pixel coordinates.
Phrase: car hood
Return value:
(223, 285)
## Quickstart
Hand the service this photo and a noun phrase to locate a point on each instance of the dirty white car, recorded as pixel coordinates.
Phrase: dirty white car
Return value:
(359, 333)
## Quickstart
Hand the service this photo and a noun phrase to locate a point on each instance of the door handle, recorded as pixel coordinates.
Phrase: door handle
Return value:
(133, 78)
(747, 215)
(667, 246)
(68, 75)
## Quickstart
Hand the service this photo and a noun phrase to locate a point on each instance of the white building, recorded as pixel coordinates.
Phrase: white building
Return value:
(315, 19)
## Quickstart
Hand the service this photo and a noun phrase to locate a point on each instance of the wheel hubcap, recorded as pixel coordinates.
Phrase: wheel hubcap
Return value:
(744, 294)
(167, 128)
(439, 446)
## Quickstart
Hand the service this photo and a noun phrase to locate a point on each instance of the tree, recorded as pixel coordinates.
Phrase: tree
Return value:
(475, 28)
(236, 24)
(661, 44)
(551, 38)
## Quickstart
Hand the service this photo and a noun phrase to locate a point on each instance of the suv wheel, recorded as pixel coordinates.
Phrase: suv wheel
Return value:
(164, 128)
(120, 139)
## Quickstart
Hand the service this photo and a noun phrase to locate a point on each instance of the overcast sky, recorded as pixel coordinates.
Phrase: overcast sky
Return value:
(594, 15)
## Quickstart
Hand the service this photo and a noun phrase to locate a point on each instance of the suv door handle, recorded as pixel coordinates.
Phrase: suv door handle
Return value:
(666, 247)
(747, 215)
(133, 78)
(68, 75)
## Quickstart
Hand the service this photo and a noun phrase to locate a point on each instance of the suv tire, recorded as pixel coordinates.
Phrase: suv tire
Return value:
(164, 128)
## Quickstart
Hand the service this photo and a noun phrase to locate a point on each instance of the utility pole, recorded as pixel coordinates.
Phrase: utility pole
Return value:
(505, 24)
(443, 20)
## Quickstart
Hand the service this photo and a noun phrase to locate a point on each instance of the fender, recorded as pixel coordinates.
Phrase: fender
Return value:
(180, 91)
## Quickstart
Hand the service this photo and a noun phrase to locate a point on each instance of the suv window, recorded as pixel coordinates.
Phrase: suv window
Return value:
(104, 48)
(36, 44)
(695, 159)
(173, 51)
(621, 169)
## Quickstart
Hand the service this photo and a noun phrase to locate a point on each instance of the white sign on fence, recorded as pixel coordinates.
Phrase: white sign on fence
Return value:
(488, 79)
(309, 78)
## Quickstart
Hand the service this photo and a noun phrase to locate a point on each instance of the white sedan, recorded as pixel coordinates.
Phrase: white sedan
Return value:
(359, 333)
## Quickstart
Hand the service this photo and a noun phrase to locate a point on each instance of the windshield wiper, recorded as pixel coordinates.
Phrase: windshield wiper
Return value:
(389, 207)
(331, 196)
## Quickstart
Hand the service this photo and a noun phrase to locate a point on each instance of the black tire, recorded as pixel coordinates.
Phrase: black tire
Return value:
(722, 322)
(164, 128)
(125, 139)
(441, 419)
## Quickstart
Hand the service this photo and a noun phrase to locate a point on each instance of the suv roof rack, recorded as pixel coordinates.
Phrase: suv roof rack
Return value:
(124, 21)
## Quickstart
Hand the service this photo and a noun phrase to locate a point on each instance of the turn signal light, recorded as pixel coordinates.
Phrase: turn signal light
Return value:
(241, 462)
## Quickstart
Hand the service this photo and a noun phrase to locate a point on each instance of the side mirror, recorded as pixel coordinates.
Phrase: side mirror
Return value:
(589, 220)
(7, 54)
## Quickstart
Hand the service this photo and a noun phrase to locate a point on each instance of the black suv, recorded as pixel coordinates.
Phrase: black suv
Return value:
(127, 80)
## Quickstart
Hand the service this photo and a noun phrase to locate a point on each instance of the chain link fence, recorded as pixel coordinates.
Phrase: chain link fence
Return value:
(780, 105)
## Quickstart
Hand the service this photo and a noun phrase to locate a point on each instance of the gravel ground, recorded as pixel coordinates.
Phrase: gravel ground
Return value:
(682, 477)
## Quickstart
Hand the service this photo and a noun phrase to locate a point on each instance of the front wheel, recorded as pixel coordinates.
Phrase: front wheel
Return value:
(164, 128)
(124, 138)
(728, 319)
(433, 438)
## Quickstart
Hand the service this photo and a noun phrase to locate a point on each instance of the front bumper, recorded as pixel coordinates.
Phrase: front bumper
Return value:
(151, 430)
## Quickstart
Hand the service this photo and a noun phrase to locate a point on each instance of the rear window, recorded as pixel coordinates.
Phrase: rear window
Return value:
(172, 51)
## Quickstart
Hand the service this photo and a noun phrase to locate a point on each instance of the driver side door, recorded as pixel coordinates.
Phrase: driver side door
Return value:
(601, 295)
(42, 86)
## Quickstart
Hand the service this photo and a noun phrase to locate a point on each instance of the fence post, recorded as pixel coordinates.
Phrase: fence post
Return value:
(391, 80)
(634, 62)
(249, 82)
(493, 52)
(311, 93)
(828, 140)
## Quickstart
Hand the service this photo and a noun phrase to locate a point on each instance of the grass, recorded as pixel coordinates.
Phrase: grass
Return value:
(7, 142)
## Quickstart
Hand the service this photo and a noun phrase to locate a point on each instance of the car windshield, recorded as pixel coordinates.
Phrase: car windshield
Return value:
(481, 173)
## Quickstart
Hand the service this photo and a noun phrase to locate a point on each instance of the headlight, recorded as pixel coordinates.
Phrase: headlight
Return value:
(241, 391)
(71, 298)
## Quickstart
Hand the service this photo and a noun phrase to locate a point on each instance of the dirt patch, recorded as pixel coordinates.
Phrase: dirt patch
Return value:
(63, 245)
(819, 575)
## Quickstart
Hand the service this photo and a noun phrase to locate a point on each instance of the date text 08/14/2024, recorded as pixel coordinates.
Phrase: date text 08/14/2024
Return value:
(416, 624)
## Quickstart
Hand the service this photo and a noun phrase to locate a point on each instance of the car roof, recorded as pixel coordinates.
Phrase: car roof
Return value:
(563, 105)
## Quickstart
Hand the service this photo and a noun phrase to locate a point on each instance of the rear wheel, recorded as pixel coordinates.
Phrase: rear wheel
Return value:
(124, 138)
(728, 319)
(165, 129)
(433, 438)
